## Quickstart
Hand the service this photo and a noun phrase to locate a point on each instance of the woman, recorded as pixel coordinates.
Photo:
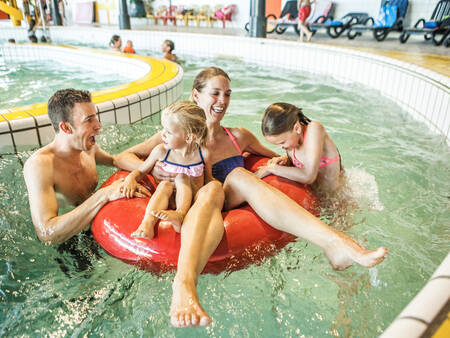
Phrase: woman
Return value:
(202, 228)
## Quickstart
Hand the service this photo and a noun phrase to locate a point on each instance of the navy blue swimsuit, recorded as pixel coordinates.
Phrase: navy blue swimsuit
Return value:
(221, 169)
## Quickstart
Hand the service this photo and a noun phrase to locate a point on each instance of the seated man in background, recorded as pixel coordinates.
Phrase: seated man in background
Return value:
(65, 169)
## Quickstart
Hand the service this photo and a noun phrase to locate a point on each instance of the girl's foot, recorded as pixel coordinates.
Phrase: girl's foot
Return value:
(171, 216)
(145, 230)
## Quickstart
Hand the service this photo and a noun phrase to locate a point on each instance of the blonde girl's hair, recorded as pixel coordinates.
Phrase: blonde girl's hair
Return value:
(190, 118)
(206, 74)
(281, 117)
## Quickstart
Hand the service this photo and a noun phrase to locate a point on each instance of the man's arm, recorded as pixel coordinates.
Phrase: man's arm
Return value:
(102, 157)
(51, 228)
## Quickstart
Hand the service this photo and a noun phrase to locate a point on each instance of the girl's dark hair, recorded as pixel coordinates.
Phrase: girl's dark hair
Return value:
(281, 117)
(170, 44)
(114, 38)
(60, 105)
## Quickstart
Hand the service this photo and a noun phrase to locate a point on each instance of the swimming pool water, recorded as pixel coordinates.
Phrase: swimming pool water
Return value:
(34, 82)
(77, 289)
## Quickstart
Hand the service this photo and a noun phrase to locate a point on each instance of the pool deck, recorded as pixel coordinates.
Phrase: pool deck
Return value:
(416, 51)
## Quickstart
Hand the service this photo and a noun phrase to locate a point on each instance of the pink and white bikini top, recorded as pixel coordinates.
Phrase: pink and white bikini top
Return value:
(324, 161)
(193, 170)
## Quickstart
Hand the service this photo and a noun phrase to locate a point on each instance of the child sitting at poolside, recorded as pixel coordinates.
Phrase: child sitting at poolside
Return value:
(167, 47)
(183, 135)
(311, 155)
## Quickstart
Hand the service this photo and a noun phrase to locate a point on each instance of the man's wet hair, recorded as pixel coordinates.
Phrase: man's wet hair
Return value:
(60, 105)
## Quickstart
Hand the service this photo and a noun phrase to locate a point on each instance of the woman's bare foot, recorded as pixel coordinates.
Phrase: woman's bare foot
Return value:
(186, 310)
(344, 251)
(145, 230)
(172, 216)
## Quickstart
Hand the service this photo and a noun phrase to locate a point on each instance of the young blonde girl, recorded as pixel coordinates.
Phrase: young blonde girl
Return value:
(184, 133)
(311, 155)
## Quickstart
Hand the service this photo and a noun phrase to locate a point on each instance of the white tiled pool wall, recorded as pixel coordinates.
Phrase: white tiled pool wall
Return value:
(422, 93)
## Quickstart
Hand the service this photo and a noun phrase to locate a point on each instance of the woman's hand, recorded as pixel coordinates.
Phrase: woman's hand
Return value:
(280, 160)
(159, 174)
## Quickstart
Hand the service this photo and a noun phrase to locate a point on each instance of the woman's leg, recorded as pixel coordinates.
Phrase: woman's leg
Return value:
(201, 233)
(183, 200)
(284, 214)
(158, 201)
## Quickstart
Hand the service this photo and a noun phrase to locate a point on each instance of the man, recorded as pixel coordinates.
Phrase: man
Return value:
(65, 170)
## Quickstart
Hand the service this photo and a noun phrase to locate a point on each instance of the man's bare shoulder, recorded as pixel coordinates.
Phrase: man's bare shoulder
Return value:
(39, 160)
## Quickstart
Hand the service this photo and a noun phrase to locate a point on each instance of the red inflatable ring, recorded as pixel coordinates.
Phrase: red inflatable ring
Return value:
(247, 239)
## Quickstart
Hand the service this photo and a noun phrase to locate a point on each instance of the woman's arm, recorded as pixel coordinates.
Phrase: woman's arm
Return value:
(251, 144)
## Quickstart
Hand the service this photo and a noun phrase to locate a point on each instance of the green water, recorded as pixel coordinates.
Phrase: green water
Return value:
(36, 81)
(51, 291)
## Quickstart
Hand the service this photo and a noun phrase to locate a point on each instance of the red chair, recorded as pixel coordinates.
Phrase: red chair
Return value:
(224, 14)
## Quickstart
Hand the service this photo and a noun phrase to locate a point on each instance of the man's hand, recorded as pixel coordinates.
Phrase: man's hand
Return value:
(159, 174)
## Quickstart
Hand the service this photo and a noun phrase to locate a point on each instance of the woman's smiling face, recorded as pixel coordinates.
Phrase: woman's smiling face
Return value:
(214, 98)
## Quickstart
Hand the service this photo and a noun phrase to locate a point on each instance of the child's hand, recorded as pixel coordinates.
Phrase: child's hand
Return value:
(265, 170)
(281, 160)
(129, 186)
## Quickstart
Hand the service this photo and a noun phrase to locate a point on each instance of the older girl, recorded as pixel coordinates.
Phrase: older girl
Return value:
(183, 135)
(311, 155)
(202, 229)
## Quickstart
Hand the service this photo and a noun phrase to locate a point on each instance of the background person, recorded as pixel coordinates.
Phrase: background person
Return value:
(129, 48)
(304, 10)
(116, 43)
(167, 47)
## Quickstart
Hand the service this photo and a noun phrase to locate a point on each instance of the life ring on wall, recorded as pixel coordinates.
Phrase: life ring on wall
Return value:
(247, 238)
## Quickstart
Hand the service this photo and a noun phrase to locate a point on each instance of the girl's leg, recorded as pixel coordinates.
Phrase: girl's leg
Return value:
(183, 200)
(201, 233)
(284, 214)
(159, 200)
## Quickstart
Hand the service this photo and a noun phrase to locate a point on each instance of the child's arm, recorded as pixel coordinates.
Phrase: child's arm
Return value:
(131, 181)
(315, 139)
(292, 173)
